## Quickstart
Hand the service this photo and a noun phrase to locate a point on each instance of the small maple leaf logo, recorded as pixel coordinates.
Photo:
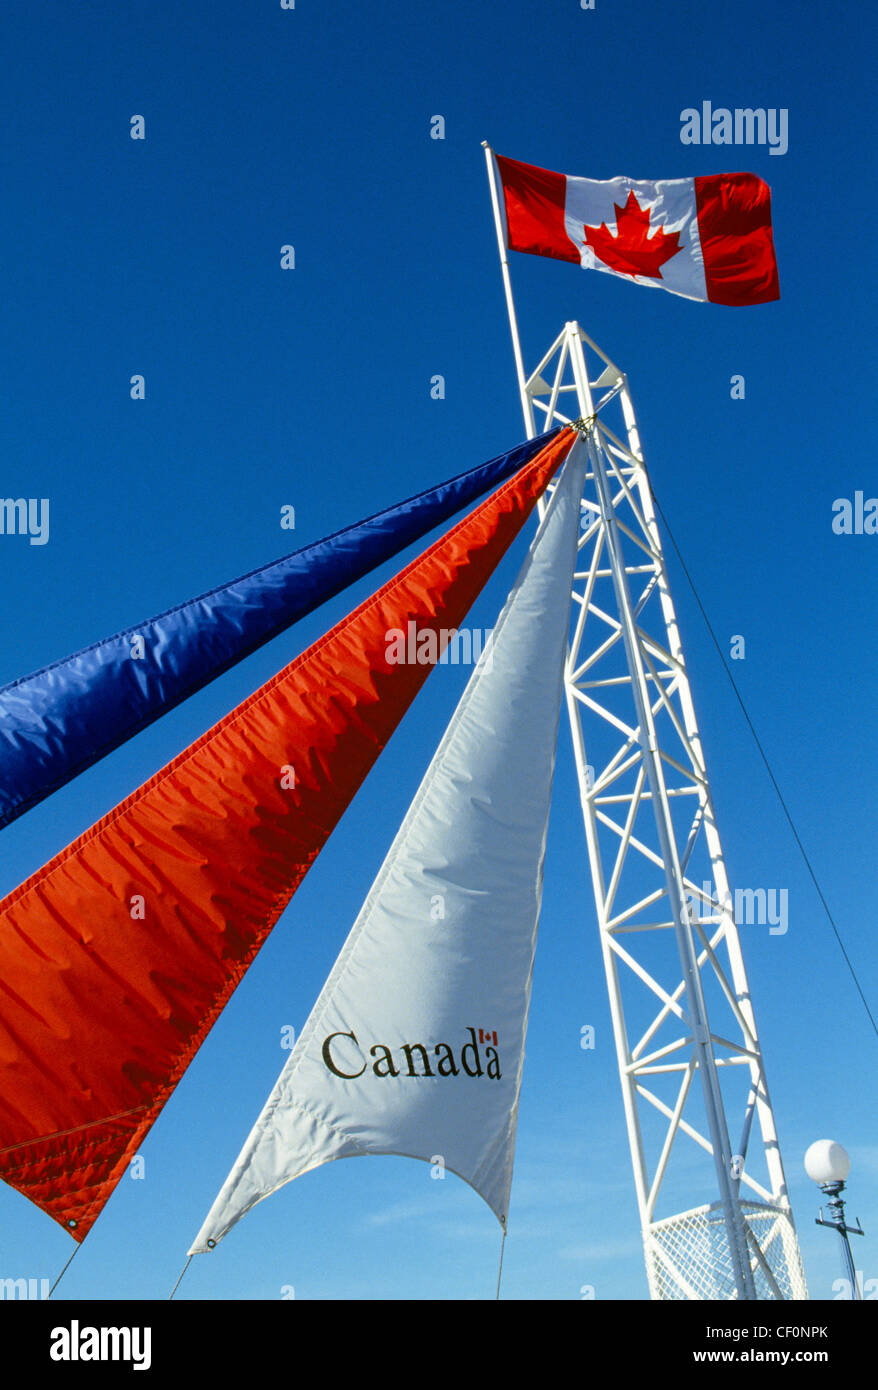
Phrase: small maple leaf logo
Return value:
(632, 251)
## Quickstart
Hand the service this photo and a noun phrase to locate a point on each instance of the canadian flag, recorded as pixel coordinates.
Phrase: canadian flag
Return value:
(703, 238)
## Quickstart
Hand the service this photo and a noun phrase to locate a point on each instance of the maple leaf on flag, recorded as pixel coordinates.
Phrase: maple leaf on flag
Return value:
(632, 251)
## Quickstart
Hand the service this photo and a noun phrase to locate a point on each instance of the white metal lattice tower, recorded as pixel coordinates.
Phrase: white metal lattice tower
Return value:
(696, 1102)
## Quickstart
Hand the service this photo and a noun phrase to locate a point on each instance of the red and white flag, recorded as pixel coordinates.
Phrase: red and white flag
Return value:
(703, 238)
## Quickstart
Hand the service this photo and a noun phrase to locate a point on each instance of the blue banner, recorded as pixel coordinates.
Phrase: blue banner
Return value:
(61, 720)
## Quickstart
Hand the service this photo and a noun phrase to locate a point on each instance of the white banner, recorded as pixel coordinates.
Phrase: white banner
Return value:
(416, 1043)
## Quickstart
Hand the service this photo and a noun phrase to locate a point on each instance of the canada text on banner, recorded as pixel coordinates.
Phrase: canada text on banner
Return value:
(703, 238)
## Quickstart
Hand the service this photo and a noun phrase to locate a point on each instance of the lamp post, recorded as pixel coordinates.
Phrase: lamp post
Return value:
(828, 1164)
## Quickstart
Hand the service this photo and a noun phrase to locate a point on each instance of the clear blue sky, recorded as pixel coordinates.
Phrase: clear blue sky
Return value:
(311, 387)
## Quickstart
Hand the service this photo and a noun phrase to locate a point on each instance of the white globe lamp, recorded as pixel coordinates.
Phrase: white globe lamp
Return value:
(828, 1164)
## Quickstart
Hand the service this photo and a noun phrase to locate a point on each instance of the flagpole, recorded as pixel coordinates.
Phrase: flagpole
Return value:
(526, 403)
